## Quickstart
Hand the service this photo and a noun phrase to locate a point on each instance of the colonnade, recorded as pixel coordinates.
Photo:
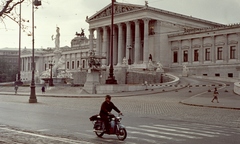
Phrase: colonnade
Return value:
(129, 41)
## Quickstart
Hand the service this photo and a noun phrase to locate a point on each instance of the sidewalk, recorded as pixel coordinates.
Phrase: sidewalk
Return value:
(227, 100)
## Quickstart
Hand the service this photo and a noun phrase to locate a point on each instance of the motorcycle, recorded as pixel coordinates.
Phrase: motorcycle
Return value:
(115, 126)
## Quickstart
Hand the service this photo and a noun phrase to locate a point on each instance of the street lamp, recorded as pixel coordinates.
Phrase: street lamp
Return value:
(51, 79)
(111, 79)
(129, 58)
(33, 98)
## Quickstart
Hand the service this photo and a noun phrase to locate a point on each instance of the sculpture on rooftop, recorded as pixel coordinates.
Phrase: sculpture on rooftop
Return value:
(82, 34)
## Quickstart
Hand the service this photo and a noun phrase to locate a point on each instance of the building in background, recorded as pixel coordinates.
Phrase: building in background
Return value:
(207, 48)
(8, 64)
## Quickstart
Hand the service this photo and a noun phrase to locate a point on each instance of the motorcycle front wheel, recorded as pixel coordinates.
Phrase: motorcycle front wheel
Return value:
(99, 134)
(122, 134)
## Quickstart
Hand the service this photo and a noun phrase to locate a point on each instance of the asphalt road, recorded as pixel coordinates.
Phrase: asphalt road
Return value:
(149, 119)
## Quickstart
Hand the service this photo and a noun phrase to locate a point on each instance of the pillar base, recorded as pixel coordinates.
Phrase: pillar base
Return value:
(32, 100)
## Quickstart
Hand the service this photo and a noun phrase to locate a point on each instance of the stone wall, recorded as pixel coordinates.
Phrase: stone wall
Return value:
(221, 71)
(122, 77)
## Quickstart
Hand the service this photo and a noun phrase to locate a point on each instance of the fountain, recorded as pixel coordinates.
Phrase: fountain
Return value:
(58, 72)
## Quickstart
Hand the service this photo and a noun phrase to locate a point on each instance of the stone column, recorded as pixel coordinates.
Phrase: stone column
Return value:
(105, 45)
(238, 47)
(27, 61)
(190, 56)
(129, 38)
(213, 50)
(145, 47)
(137, 42)
(201, 52)
(225, 49)
(115, 45)
(120, 44)
(180, 52)
(91, 39)
(158, 42)
(98, 42)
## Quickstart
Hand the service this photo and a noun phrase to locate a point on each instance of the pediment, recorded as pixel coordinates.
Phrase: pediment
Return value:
(119, 8)
(220, 44)
(185, 47)
(233, 42)
(207, 45)
(175, 48)
(196, 46)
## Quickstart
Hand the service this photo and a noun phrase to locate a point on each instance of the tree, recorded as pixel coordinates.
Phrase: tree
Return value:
(7, 9)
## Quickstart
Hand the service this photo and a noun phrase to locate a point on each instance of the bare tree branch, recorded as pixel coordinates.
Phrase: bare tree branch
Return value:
(9, 6)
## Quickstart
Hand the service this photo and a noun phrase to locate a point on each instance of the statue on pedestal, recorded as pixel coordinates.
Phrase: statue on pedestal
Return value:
(59, 73)
(159, 67)
(57, 38)
(185, 71)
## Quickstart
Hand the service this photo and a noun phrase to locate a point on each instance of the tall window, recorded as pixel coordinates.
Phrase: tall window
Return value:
(83, 63)
(219, 53)
(196, 53)
(45, 66)
(72, 64)
(233, 52)
(78, 64)
(185, 56)
(175, 57)
(207, 54)
(68, 65)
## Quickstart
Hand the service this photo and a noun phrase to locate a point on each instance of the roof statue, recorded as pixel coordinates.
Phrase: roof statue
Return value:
(57, 38)
(82, 34)
(146, 3)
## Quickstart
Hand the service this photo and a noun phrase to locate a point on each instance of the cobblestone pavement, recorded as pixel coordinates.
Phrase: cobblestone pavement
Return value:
(9, 135)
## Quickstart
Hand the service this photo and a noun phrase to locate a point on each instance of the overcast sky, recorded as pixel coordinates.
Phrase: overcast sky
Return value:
(70, 16)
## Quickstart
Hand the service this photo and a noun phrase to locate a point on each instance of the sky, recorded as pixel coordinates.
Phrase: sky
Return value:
(70, 15)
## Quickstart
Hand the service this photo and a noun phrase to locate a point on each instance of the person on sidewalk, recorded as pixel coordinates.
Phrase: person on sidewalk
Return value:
(43, 89)
(16, 88)
(215, 95)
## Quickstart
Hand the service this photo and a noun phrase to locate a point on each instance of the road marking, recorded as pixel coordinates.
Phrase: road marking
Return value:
(190, 131)
(165, 133)
(43, 130)
(143, 139)
(70, 141)
(148, 134)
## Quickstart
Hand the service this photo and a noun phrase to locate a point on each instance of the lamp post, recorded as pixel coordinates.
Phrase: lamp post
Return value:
(33, 98)
(51, 79)
(19, 82)
(111, 79)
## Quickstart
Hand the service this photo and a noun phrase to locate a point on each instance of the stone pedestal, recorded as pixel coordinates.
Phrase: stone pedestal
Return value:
(185, 72)
(91, 82)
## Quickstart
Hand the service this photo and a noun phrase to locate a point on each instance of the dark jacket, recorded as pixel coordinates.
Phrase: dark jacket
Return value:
(105, 108)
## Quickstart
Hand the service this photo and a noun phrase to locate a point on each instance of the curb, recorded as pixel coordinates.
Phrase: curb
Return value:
(199, 105)
(137, 93)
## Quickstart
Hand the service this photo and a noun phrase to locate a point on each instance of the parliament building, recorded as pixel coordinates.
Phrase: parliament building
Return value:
(207, 48)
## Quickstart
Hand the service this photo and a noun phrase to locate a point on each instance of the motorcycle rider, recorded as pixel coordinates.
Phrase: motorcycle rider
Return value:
(106, 109)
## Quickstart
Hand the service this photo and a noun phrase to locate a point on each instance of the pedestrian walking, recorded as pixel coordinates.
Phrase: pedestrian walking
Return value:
(16, 88)
(43, 89)
(215, 95)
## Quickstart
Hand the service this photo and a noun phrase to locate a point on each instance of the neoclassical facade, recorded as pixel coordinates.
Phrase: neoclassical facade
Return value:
(139, 31)
(207, 48)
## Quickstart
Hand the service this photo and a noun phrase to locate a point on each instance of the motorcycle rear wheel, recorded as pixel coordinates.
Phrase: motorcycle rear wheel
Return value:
(122, 134)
